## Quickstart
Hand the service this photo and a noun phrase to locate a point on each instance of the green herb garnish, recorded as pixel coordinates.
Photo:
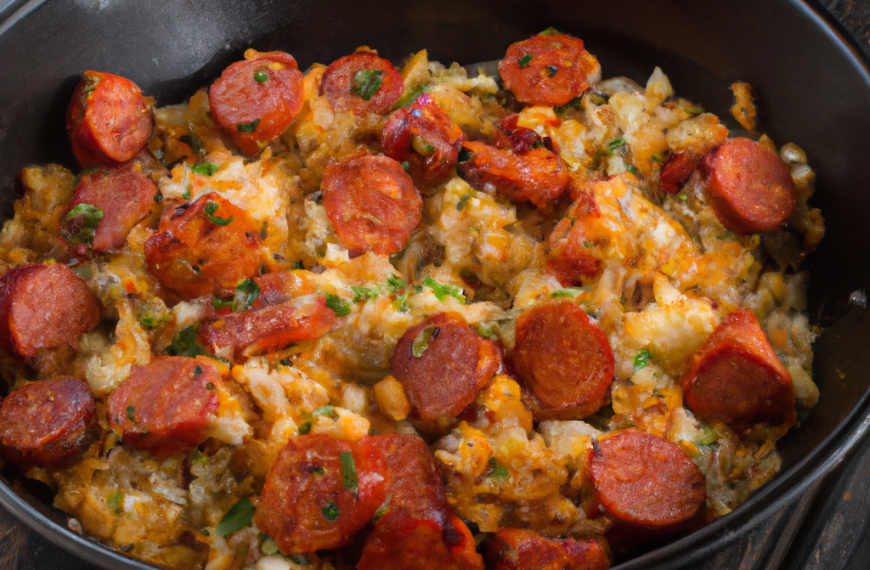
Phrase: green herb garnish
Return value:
(194, 142)
(338, 305)
(87, 218)
(426, 336)
(552, 70)
(498, 471)
(219, 303)
(524, 61)
(364, 294)
(443, 291)
(237, 518)
(395, 284)
(330, 511)
(348, 473)
(641, 359)
(383, 509)
(407, 99)
(305, 428)
(205, 168)
(463, 201)
(246, 293)
(114, 503)
(248, 127)
(210, 209)
(130, 411)
(327, 410)
(197, 457)
(366, 82)
(184, 343)
(464, 155)
(551, 31)
(197, 371)
(261, 76)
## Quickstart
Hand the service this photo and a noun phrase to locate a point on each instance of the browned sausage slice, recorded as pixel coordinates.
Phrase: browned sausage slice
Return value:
(44, 307)
(48, 424)
(241, 335)
(362, 83)
(539, 176)
(425, 137)
(572, 257)
(548, 69)
(735, 377)
(255, 100)
(125, 195)
(750, 188)
(372, 203)
(166, 406)
(677, 170)
(416, 530)
(564, 359)
(523, 549)
(442, 365)
(309, 504)
(208, 247)
(510, 135)
(108, 120)
(645, 480)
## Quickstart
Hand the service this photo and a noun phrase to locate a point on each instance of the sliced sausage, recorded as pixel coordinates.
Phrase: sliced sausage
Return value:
(645, 480)
(564, 359)
(548, 69)
(281, 286)
(677, 170)
(307, 503)
(523, 549)
(416, 529)
(125, 195)
(510, 135)
(166, 406)
(107, 120)
(241, 335)
(44, 307)
(750, 188)
(207, 247)
(735, 377)
(425, 137)
(48, 424)
(442, 365)
(572, 255)
(255, 100)
(362, 83)
(372, 203)
(539, 176)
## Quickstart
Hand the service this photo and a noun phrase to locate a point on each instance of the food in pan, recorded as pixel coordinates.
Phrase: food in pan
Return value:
(378, 317)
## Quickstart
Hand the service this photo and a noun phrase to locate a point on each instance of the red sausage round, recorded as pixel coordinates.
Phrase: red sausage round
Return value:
(571, 241)
(48, 424)
(362, 83)
(645, 480)
(523, 549)
(307, 504)
(125, 196)
(750, 188)
(107, 120)
(44, 307)
(538, 176)
(510, 135)
(241, 335)
(454, 366)
(372, 203)
(254, 101)
(548, 69)
(677, 170)
(207, 247)
(735, 377)
(166, 406)
(425, 137)
(564, 359)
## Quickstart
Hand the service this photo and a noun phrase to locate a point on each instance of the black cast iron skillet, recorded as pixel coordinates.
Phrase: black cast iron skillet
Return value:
(814, 90)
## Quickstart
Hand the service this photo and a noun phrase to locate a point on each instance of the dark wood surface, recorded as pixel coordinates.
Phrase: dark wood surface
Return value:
(824, 529)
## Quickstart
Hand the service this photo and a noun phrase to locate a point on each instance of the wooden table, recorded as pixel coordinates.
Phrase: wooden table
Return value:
(824, 529)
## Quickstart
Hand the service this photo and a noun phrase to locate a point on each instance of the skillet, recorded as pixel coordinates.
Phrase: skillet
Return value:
(814, 90)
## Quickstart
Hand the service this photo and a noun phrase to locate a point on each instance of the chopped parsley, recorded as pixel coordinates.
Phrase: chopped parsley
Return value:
(463, 201)
(366, 82)
(551, 31)
(657, 158)
(641, 359)
(327, 410)
(330, 512)
(364, 294)
(196, 457)
(421, 146)
(210, 209)
(408, 98)
(443, 291)
(219, 303)
(246, 293)
(574, 103)
(498, 471)
(114, 503)
(464, 155)
(205, 168)
(383, 509)
(395, 284)
(318, 470)
(348, 473)
(524, 61)
(405, 166)
(194, 142)
(305, 428)
(158, 197)
(683, 197)
(401, 302)
(184, 343)
(130, 411)
(633, 170)
(486, 331)
(552, 70)
(238, 517)
(561, 293)
(338, 305)
(261, 76)
(197, 371)
(85, 218)
(426, 336)
(248, 127)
